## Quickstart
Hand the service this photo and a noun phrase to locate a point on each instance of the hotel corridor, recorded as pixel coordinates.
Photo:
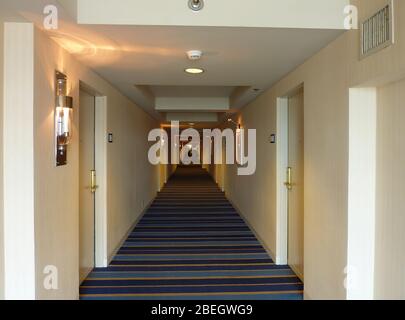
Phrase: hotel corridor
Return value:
(192, 244)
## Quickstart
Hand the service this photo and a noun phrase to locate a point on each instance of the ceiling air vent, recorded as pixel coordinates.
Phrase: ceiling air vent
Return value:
(377, 31)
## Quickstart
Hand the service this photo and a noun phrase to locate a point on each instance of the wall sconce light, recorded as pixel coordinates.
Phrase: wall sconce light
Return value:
(239, 145)
(230, 120)
(63, 119)
(239, 142)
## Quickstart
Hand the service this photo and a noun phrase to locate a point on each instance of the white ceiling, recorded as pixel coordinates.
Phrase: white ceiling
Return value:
(148, 62)
(233, 57)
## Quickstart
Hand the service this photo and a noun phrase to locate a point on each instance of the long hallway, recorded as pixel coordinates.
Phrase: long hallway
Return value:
(192, 244)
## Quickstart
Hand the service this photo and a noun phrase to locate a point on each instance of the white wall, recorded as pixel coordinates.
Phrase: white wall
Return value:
(362, 193)
(131, 179)
(18, 161)
(327, 77)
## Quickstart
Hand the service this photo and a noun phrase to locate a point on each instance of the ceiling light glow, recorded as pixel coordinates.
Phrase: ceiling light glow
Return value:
(194, 70)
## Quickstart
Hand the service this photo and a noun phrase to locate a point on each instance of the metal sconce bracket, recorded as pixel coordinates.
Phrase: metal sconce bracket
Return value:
(63, 110)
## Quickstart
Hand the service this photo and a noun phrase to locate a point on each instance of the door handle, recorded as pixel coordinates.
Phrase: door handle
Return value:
(93, 183)
(288, 183)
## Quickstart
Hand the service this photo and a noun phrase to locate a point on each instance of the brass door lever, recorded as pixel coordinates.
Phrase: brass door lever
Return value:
(288, 183)
(93, 185)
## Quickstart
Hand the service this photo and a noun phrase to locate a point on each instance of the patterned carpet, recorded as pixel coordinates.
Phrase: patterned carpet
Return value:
(192, 245)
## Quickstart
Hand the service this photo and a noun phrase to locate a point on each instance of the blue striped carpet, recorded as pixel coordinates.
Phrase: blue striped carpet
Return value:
(192, 245)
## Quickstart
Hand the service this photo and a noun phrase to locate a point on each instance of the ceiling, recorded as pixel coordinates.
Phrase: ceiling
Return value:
(146, 63)
(191, 91)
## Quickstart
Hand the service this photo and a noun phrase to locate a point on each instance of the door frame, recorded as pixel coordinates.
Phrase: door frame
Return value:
(100, 198)
(281, 167)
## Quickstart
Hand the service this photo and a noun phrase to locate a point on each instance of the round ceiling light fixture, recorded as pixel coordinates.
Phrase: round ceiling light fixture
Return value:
(194, 70)
(196, 5)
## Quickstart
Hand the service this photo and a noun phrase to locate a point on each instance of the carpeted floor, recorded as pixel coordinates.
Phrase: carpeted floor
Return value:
(192, 244)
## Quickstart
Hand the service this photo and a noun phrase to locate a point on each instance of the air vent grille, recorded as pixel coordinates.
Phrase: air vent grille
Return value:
(377, 31)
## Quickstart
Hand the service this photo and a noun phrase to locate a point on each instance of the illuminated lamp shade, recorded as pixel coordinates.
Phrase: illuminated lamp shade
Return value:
(63, 119)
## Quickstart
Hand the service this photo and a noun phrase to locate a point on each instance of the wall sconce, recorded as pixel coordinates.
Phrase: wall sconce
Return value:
(239, 145)
(63, 119)
(238, 126)
(239, 142)
(230, 120)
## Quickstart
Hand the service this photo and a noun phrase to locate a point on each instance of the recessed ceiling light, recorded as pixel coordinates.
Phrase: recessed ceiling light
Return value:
(194, 70)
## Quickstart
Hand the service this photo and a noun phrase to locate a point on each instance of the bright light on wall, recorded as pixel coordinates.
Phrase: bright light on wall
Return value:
(63, 119)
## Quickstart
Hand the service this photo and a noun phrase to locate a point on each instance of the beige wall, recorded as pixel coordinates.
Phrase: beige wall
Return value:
(163, 175)
(327, 77)
(170, 170)
(325, 156)
(386, 70)
(131, 179)
(1, 163)
(390, 205)
(212, 170)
